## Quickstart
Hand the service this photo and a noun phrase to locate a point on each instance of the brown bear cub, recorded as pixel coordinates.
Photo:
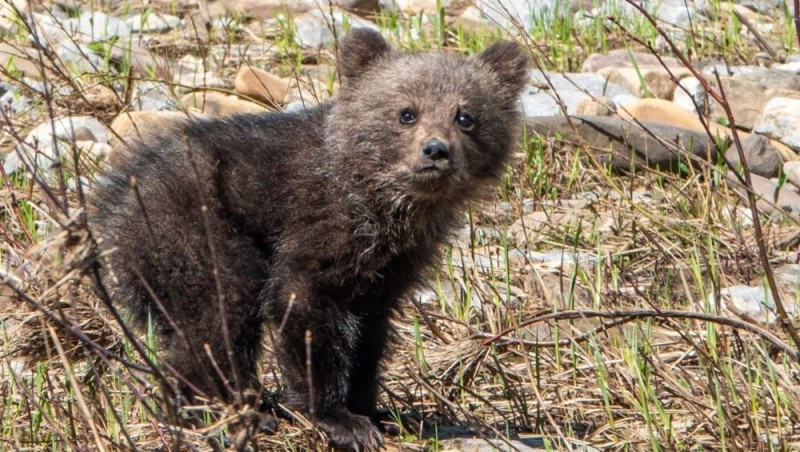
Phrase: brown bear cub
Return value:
(314, 224)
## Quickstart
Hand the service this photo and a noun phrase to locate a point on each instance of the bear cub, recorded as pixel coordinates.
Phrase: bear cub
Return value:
(308, 226)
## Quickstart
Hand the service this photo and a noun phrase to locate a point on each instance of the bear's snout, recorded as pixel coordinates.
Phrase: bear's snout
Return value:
(435, 150)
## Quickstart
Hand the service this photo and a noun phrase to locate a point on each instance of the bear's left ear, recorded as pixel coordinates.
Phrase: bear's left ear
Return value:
(359, 50)
(509, 62)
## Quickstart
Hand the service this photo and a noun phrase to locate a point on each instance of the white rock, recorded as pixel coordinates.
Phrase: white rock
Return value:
(13, 102)
(690, 94)
(793, 66)
(751, 303)
(153, 23)
(99, 26)
(780, 119)
(316, 29)
(79, 58)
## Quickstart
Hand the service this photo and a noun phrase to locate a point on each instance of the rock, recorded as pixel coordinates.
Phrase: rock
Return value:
(260, 85)
(193, 72)
(530, 227)
(357, 5)
(79, 59)
(507, 13)
(762, 157)
(793, 67)
(766, 7)
(315, 30)
(215, 103)
(772, 200)
(265, 9)
(413, 7)
(665, 112)
(792, 171)
(724, 70)
(787, 278)
(598, 106)
(690, 95)
(558, 290)
(98, 26)
(40, 142)
(153, 23)
(574, 90)
(152, 96)
(140, 59)
(656, 80)
(622, 58)
(13, 102)
(17, 59)
(780, 119)
(52, 30)
(748, 95)
(752, 303)
(9, 17)
(624, 146)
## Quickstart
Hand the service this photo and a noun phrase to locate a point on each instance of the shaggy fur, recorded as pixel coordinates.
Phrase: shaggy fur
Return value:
(314, 223)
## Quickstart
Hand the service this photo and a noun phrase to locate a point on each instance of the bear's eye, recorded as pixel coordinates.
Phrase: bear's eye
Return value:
(407, 116)
(465, 121)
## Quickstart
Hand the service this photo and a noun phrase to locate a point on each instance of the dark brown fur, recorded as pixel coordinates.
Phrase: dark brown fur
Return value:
(337, 208)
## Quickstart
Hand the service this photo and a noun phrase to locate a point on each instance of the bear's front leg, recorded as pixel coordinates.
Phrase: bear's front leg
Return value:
(316, 346)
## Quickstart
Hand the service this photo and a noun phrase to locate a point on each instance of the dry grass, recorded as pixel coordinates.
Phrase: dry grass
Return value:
(623, 351)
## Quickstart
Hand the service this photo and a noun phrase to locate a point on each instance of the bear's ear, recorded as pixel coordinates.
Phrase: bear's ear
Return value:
(360, 49)
(509, 62)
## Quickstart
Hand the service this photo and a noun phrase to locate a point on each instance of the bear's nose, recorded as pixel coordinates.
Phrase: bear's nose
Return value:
(435, 150)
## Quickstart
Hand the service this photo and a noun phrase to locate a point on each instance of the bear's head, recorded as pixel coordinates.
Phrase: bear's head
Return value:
(432, 126)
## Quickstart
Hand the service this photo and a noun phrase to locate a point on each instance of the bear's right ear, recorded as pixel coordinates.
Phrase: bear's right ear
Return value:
(360, 49)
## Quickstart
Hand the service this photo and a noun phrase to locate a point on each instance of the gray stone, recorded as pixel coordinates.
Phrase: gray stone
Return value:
(792, 67)
(776, 201)
(752, 303)
(13, 102)
(192, 72)
(624, 146)
(51, 30)
(722, 69)
(780, 120)
(623, 58)
(316, 29)
(761, 156)
(39, 142)
(573, 89)
(766, 7)
(748, 95)
(79, 58)
(152, 96)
